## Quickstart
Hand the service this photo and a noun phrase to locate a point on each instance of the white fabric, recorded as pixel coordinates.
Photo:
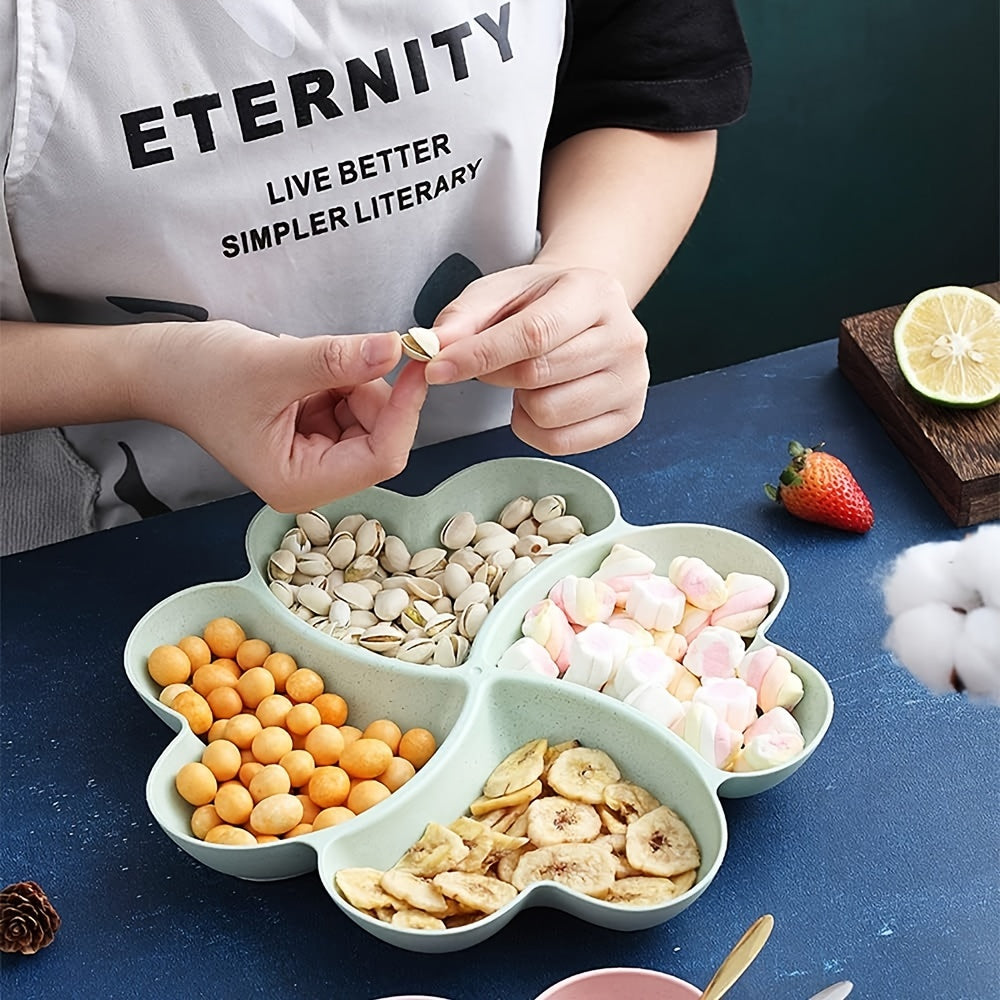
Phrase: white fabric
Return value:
(154, 145)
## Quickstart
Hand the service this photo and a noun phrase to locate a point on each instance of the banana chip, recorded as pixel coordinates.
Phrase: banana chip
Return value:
(517, 770)
(555, 820)
(660, 843)
(581, 774)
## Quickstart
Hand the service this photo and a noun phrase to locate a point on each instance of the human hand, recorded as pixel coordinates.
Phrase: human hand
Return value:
(566, 341)
(300, 421)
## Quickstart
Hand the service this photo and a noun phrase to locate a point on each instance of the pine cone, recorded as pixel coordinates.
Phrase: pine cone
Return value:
(28, 921)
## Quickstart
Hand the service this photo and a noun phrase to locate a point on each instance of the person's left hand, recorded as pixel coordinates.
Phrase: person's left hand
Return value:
(564, 339)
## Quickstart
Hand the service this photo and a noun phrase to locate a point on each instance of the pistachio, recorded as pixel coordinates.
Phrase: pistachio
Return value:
(420, 343)
(284, 591)
(467, 558)
(339, 613)
(459, 530)
(489, 574)
(424, 588)
(502, 558)
(395, 555)
(475, 593)
(441, 624)
(515, 512)
(530, 545)
(370, 538)
(316, 527)
(529, 526)
(455, 579)
(342, 549)
(471, 619)
(428, 561)
(358, 596)
(548, 507)
(517, 570)
(361, 568)
(314, 564)
(561, 529)
(295, 540)
(450, 650)
(389, 604)
(363, 619)
(349, 523)
(314, 598)
(382, 638)
(281, 565)
(494, 543)
(419, 649)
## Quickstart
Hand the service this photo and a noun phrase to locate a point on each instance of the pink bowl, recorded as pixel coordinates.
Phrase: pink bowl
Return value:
(636, 984)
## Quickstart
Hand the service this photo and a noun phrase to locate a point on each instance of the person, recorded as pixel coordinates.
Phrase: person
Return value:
(218, 215)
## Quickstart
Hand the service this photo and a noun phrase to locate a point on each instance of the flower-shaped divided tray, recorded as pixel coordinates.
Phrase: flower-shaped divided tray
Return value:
(477, 712)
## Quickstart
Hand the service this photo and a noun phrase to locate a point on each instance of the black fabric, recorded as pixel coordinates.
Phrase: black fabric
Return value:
(661, 65)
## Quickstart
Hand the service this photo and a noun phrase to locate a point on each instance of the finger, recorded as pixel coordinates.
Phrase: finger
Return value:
(571, 439)
(306, 365)
(582, 399)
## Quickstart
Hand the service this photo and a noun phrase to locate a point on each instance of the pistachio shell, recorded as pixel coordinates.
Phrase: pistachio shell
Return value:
(281, 565)
(529, 526)
(471, 619)
(389, 604)
(339, 613)
(316, 527)
(548, 507)
(358, 596)
(441, 624)
(361, 568)
(314, 564)
(475, 593)
(530, 545)
(381, 638)
(501, 558)
(395, 556)
(515, 512)
(450, 650)
(427, 561)
(284, 591)
(363, 619)
(420, 343)
(349, 523)
(419, 649)
(424, 588)
(295, 540)
(370, 538)
(455, 579)
(342, 549)
(459, 530)
(315, 598)
(561, 529)
(494, 543)
(517, 570)
(467, 558)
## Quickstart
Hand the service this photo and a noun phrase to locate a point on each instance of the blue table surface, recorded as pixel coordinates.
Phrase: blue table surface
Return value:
(879, 858)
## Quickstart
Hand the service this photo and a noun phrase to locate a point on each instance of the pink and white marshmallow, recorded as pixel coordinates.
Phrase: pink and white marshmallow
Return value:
(747, 603)
(655, 603)
(714, 652)
(775, 721)
(641, 667)
(584, 600)
(692, 621)
(684, 684)
(655, 702)
(595, 655)
(732, 699)
(771, 676)
(546, 623)
(768, 750)
(621, 567)
(638, 637)
(672, 643)
(702, 585)
(527, 656)
(713, 738)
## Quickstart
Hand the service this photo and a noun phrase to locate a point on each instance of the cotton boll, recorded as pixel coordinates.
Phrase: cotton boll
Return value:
(977, 658)
(977, 564)
(926, 573)
(924, 640)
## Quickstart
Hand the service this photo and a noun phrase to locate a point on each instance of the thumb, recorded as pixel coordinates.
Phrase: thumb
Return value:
(479, 306)
(314, 364)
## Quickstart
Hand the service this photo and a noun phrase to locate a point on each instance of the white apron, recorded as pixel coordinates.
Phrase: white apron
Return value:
(301, 167)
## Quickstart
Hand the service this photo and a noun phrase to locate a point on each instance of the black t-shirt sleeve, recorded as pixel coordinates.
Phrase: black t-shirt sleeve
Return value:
(661, 65)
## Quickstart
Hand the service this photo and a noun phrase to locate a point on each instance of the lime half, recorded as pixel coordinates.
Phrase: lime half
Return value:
(947, 344)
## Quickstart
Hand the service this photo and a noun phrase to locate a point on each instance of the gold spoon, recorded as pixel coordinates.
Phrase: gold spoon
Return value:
(739, 958)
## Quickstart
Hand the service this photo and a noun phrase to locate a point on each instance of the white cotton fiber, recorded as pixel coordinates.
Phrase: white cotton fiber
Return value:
(977, 564)
(977, 658)
(926, 573)
(923, 639)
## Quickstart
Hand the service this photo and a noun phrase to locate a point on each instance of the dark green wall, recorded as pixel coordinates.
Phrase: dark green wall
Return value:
(867, 169)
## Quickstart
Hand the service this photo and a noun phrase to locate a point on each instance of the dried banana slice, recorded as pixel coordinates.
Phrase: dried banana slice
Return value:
(484, 804)
(660, 843)
(643, 890)
(438, 850)
(588, 868)
(361, 887)
(504, 868)
(554, 751)
(581, 774)
(483, 893)
(612, 822)
(417, 920)
(517, 770)
(417, 893)
(555, 820)
(485, 844)
(629, 800)
(685, 880)
(502, 820)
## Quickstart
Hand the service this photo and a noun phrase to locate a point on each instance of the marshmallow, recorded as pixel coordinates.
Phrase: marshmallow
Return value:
(546, 623)
(528, 657)
(671, 642)
(640, 667)
(595, 655)
(692, 621)
(714, 652)
(621, 567)
(769, 750)
(638, 637)
(583, 600)
(684, 684)
(774, 721)
(655, 603)
(656, 702)
(747, 603)
(702, 586)
(702, 729)
(732, 700)
(770, 675)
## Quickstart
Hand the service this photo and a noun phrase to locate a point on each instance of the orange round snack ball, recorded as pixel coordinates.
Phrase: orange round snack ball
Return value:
(197, 650)
(234, 803)
(297, 831)
(366, 794)
(272, 779)
(254, 686)
(242, 729)
(223, 636)
(195, 709)
(171, 691)
(325, 743)
(276, 814)
(397, 774)
(225, 702)
(304, 685)
(332, 708)
(331, 816)
(168, 665)
(273, 710)
(309, 808)
(196, 784)
(225, 663)
(385, 730)
(329, 786)
(222, 758)
(249, 770)
(266, 838)
(252, 653)
(365, 758)
(207, 678)
(203, 819)
(302, 718)
(280, 666)
(270, 745)
(300, 766)
(231, 835)
(417, 746)
(350, 734)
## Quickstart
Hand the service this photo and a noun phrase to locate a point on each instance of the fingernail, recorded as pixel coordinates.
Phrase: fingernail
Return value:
(440, 372)
(378, 349)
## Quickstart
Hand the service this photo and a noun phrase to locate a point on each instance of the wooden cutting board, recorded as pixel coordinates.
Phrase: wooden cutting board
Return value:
(956, 452)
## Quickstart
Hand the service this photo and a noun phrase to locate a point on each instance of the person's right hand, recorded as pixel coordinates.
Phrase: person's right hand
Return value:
(300, 421)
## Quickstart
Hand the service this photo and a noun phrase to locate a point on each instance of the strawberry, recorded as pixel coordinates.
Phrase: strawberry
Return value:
(816, 486)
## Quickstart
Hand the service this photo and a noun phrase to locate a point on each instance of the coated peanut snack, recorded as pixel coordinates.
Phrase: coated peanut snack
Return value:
(354, 581)
(281, 758)
(549, 812)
